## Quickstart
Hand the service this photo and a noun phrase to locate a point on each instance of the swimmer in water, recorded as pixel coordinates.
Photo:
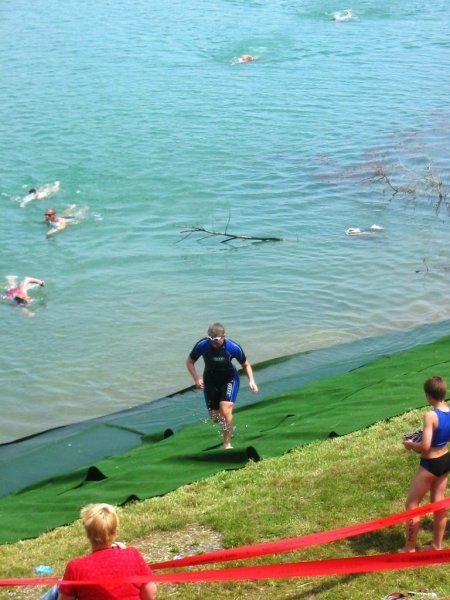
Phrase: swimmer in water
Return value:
(57, 223)
(245, 58)
(373, 229)
(18, 295)
(40, 193)
(60, 222)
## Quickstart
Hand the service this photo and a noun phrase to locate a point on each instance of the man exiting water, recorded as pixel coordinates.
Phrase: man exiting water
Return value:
(220, 382)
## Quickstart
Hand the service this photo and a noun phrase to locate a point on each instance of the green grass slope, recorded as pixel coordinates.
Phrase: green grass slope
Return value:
(327, 484)
(334, 406)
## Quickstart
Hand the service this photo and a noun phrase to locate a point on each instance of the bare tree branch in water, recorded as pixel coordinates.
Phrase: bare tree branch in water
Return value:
(427, 183)
(225, 234)
(381, 174)
(411, 163)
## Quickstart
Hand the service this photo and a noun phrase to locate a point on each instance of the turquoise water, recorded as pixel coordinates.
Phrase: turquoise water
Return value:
(141, 113)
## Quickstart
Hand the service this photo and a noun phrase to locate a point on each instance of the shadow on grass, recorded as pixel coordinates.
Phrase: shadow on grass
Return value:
(389, 540)
(378, 542)
(311, 591)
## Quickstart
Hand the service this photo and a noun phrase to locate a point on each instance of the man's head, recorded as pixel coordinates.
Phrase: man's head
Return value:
(21, 298)
(50, 214)
(216, 334)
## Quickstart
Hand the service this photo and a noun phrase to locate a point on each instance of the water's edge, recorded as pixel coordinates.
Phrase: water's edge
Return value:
(186, 407)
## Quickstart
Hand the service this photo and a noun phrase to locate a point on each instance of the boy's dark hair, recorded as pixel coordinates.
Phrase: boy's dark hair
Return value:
(435, 387)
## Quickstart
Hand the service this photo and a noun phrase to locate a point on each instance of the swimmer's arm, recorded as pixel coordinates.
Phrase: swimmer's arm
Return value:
(53, 231)
(59, 226)
(27, 281)
(26, 200)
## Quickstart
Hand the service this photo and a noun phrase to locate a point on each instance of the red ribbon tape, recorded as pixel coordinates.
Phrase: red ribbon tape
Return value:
(336, 566)
(296, 543)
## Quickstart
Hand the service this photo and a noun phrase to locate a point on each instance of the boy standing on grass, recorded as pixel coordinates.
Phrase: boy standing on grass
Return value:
(220, 382)
(432, 474)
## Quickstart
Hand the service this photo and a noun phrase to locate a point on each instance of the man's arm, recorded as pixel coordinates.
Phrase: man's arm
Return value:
(58, 226)
(26, 199)
(251, 381)
(27, 281)
(190, 365)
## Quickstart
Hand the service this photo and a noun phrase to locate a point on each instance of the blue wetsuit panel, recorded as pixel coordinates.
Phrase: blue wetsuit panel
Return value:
(218, 365)
(220, 376)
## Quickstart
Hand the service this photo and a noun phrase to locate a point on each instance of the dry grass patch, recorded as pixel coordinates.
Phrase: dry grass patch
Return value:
(193, 539)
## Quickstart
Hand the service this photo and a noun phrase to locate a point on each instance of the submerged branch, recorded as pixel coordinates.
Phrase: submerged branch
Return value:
(428, 183)
(228, 236)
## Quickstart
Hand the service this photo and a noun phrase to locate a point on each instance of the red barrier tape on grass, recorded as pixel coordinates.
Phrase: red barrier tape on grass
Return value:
(317, 568)
(296, 543)
(337, 566)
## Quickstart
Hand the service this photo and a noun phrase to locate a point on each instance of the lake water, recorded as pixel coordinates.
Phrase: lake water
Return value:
(141, 112)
